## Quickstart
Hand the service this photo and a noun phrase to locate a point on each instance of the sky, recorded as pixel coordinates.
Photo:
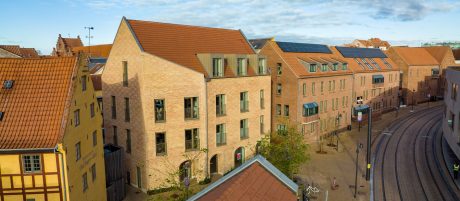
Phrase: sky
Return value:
(36, 24)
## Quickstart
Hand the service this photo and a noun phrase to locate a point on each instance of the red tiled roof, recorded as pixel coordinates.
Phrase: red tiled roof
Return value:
(72, 42)
(34, 109)
(254, 183)
(96, 50)
(29, 53)
(416, 56)
(181, 43)
(15, 49)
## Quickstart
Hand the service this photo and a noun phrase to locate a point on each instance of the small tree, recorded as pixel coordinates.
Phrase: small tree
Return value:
(285, 149)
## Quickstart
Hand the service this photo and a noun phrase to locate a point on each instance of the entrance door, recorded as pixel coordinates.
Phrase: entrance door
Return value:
(239, 156)
(185, 170)
(139, 181)
(213, 164)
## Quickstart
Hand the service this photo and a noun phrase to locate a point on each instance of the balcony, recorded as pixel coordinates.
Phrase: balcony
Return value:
(161, 149)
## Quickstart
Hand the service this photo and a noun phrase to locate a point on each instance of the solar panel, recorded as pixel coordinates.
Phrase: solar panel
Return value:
(303, 47)
(351, 52)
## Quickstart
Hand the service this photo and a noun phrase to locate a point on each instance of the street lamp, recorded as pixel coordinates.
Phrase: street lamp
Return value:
(337, 123)
(358, 147)
(413, 101)
(369, 133)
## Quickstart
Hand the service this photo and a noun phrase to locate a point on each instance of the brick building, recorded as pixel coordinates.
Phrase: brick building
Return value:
(170, 91)
(311, 87)
(451, 121)
(64, 46)
(375, 79)
(421, 73)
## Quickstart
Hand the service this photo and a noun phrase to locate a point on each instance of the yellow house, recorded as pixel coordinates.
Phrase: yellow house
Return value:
(50, 131)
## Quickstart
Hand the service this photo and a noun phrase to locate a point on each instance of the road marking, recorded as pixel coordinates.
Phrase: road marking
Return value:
(387, 133)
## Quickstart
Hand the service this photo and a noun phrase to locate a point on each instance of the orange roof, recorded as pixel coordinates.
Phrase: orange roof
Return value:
(375, 42)
(22, 52)
(438, 52)
(361, 67)
(181, 43)
(416, 56)
(72, 42)
(296, 59)
(96, 50)
(15, 49)
(34, 109)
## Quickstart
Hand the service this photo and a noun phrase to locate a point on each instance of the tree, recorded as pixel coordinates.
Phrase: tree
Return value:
(286, 149)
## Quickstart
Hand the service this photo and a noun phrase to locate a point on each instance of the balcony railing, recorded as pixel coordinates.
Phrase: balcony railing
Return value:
(221, 139)
(244, 106)
(220, 110)
(244, 133)
(161, 149)
(191, 145)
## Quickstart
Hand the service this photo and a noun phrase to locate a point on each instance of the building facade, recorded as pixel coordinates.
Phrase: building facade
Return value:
(193, 103)
(311, 87)
(451, 122)
(375, 79)
(51, 138)
(64, 46)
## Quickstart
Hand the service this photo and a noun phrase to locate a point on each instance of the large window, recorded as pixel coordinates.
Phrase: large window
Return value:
(94, 138)
(261, 120)
(286, 110)
(278, 109)
(31, 163)
(377, 79)
(127, 112)
(242, 68)
(77, 151)
(244, 130)
(114, 108)
(115, 135)
(85, 182)
(279, 89)
(221, 135)
(191, 108)
(217, 67)
(160, 142)
(128, 141)
(220, 105)
(93, 172)
(91, 110)
(244, 102)
(192, 139)
(125, 73)
(76, 117)
(262, 66)
(160, 113)
(310, 109)
(262, 99)
(83, 83)
(279, 69)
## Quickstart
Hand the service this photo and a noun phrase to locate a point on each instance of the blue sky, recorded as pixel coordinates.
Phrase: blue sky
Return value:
(334, 22)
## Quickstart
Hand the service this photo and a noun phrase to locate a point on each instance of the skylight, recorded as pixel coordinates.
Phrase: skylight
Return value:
(8, 84)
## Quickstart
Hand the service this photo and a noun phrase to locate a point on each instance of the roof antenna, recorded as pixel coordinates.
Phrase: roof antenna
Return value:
(89, 39)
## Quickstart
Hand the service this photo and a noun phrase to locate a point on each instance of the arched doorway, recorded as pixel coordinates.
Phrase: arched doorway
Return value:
(213, 165)
(185, 170)
(239, 156)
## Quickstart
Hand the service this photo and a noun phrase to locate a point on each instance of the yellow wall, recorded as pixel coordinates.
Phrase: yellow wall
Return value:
(83, 133)
(10, 167)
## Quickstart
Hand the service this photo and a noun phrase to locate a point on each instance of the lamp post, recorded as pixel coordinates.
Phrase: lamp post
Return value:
(369, 133)
(339, 116)
(358, 147)
(413, 101)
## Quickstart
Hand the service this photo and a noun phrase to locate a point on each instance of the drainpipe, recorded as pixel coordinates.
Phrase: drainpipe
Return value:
(63, 173)
(206, 80)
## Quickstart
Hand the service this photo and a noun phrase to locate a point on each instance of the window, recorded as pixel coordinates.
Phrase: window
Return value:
(278, 109)
(262, 99)
(221, 138)
(434, 72)
(31, 163)
(128, 141)
(192, 139)
(278, 69)
(322, 87)
(125, 73)
(76, 116)
(242, 68)
(244, 130)
(278, 89)
(83, 83)
(244, 103)
(451, 120)
(127, 115)
(310, 111)
(330, 85)
(344, 66)
(191, 108)
(312, 68)
(454, 88)
(304, 89)
(313, 88)
(160, 142)
(8, 84)
(94, 138)
(93, 172)
(261, 120)
(115, 135)
(332, 104)
(386, 63)
(375, 63)
(77, 151)
(359, 63)
(160, 113)
(286, 110)
(85, 182)
(333, 85)
(280, 127)
(377, 79)
(262, 66)
(217, 67)
(114, 108)
(220, 105)
(91, 110)
(335, 67)
(324, 67)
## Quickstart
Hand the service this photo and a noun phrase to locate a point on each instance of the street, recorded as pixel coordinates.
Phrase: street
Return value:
(408, 162)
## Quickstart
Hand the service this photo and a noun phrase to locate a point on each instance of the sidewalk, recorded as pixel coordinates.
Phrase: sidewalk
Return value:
(322, 168)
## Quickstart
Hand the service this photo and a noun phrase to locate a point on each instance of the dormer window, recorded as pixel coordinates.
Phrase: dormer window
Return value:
(217, 67)
(1, 115)
(242, 68)
(312, 68)
(8, 84)
(324, 67)
(335, 67)
(344, 66)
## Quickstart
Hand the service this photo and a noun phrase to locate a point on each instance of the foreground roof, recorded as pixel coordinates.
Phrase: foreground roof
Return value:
(416, 56)
(180, 43)
(34, 108)
(22, 52)
(256, 179)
